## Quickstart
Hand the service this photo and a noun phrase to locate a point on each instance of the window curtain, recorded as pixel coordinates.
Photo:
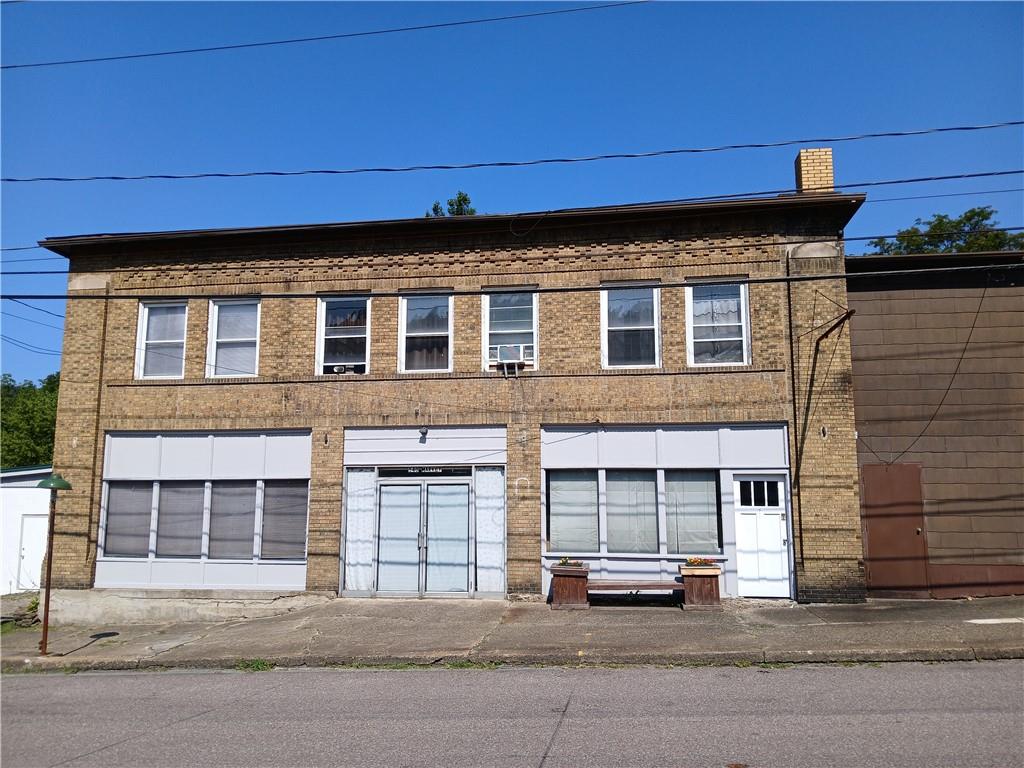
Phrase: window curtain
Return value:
(129, 511)
(232, 520)
(490, 529)
(179, 520)
(691, 512)
(572, 510)
(360, 509)
(632, 511)
(285, 507)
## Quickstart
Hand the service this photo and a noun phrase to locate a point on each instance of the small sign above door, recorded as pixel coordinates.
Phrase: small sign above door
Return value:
(425, 472)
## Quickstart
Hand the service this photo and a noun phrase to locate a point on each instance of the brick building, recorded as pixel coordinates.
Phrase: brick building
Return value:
(448, 406)
(938, 374)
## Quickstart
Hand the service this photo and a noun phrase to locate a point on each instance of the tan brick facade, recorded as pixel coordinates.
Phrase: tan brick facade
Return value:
(99, 392)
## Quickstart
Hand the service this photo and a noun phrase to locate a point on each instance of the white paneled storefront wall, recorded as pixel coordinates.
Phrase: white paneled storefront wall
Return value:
(617, 454)
(144, 461)
(479, 452)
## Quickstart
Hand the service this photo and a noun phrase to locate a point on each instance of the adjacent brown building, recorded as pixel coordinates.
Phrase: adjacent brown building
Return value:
(938, 374)
(449, 406)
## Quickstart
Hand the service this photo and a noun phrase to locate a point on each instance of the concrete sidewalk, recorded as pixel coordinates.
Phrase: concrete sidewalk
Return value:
(464, 632)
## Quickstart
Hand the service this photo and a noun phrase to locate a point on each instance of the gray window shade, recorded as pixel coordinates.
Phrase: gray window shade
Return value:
(285, 504)
(179, 519)
(129, 510)
(232, 520)
(631, 498)
(572, 510)
(691, 512)
(631, 327)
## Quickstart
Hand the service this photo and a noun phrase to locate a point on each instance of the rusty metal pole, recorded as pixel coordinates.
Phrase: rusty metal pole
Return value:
(49, 572)
(54, 483)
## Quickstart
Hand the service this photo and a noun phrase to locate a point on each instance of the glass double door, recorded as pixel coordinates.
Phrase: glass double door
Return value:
(423, 537)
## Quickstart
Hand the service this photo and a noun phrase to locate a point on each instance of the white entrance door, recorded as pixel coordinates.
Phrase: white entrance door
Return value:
(423, 538)
(33, 551)
(762, 537)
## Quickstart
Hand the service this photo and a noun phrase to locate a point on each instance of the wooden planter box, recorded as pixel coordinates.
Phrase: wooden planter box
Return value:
(700, 588)
(569, 587)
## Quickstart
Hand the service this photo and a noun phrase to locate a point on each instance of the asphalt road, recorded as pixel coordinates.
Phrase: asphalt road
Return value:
(950, 714)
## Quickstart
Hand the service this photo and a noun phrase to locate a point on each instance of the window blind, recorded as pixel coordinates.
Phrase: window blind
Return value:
(129, 510)
(179, 527)
(572, 510)
(232, 520)
(285, 504)
(632, 510)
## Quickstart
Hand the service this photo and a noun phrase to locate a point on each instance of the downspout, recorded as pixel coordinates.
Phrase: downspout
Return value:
(93, 507)
(792, 393)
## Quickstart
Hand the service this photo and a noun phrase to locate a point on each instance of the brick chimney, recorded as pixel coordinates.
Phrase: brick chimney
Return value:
(814, 170)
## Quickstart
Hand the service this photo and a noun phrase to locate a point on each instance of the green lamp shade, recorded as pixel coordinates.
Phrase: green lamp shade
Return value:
(55, 483)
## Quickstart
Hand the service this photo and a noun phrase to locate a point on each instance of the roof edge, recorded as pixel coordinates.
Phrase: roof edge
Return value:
(81, 244)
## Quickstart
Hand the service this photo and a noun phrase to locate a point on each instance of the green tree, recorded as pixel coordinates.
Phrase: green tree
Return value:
(460, 205)
(28, 415)
(971, 231)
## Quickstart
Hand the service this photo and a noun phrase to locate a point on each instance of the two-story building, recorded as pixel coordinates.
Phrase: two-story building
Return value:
(449, 406)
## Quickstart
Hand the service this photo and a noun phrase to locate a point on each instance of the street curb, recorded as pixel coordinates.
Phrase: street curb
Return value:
(555, 659)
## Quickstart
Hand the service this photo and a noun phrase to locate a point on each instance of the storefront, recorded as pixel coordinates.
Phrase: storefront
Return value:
(634, 502)
(424, 512)
(210, 510)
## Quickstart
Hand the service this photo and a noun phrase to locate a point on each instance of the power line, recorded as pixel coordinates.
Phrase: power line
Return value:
(947, 194)
(30, 320)
(730, 280)
(512, 163)
(673, 250)
(21, 248)
(37, 309)
(29, 347)
(320, 38)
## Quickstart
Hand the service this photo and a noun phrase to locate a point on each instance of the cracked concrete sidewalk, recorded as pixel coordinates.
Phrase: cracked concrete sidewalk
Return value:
(388, 631)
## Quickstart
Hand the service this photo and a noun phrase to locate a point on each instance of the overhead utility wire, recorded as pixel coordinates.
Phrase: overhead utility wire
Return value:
(673, 250)
(320, 38)
(727, 280)
(866, 202)
(37, 309)
(513, 163)
(30, 320)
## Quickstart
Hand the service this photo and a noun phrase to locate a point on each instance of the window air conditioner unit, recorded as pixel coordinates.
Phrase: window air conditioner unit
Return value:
(511, 353)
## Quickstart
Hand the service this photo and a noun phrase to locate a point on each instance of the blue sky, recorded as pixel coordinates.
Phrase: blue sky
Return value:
(635, 78)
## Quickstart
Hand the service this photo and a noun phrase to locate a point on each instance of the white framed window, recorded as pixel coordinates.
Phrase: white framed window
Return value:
(160, 342)
(219, 520)
(510, 328)
(234, 334)
(717, 325)
(598, 512)
(630, 327)
(425, 333)
(343, 335)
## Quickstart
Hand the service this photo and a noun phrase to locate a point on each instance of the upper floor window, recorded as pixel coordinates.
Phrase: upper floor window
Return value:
(630, 332)
(510, 328)
(717, 325)
(425, 333)
(343, 336)
(234, 338)
(160, 352)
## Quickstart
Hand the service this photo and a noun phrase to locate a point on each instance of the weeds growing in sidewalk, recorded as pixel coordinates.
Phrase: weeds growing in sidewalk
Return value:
(254, 665)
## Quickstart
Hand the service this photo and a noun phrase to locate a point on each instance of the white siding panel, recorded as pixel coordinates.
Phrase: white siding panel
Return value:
(623, 448)
(238, 456)
(753, 447)
(688, 447)
(441, 445)
(565, 447)
(185, 456)
(288, 456)
(132, 456)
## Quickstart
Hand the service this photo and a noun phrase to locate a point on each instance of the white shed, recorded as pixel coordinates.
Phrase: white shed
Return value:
(23, 519)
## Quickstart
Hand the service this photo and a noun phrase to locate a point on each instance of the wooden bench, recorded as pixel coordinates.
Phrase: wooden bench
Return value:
(604, 585)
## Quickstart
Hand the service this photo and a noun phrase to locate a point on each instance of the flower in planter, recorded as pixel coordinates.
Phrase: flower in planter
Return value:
(565, 562)
(700, 562)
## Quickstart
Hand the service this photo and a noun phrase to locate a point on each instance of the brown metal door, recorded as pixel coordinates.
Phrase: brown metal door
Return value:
(895, 548)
